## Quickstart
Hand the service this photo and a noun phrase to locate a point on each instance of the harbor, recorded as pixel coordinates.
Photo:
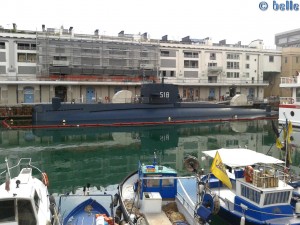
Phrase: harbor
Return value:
(103, 157)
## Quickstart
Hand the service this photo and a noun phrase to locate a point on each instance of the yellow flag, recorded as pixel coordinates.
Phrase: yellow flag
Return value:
(278, 143)
(218, 169)
(289, 131)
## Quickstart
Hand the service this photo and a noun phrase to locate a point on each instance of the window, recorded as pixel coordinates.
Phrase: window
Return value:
(277, 197)
(26, 57)
(2, 45)
(247, 57)
(191, 54)
(165, 53)
(144, 54)
(212, 56)
(271, 58)
(7, 206)
(190, 64)
(62, 58)
(233, 56)
(212, 64)
(36, 201)
(285, 59)
(25, 212)
(233, 74)
(247, 66)
(233, 65)
(297, 59)
(26, 46)
(250, 194)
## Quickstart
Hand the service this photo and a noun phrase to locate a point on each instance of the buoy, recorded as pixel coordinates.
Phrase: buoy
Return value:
(11, 121)
(235, 117)
(64, 122)
(169, 118)
(242, 220)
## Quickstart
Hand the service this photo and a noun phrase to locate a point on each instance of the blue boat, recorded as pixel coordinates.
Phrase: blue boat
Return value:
(260, 192)
(89, 209)
(158, 103)
(155, 194)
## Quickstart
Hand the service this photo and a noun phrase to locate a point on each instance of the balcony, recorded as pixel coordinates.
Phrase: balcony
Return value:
(215, 69)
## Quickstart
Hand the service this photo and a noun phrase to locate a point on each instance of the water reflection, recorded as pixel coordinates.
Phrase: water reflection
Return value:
(73, 157)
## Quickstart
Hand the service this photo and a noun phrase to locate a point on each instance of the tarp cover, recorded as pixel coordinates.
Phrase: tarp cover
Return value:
(240, 157)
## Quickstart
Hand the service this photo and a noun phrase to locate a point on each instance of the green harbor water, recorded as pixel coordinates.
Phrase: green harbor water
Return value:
(103, 157)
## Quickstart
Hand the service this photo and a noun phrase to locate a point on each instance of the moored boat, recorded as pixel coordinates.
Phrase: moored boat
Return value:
(87, 208)
(259, 192)
(289, 107)
(157, 103)
(155, 194)
(24, 198)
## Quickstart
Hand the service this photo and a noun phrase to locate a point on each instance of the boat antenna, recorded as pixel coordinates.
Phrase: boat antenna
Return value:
(154, 159)
(7, 167)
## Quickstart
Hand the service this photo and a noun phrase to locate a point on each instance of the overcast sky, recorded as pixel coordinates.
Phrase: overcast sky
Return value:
(233, 20)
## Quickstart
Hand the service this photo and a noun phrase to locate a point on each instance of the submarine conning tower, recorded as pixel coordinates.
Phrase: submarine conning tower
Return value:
(159, 93)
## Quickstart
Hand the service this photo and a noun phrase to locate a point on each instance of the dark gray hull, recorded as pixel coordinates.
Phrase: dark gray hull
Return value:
(135, 113)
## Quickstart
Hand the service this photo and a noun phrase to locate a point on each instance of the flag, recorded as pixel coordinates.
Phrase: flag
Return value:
(279, 144)
(7, 182)
(218, 169)
(289, 131)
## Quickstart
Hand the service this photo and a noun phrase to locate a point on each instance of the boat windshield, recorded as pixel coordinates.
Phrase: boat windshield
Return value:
(26, 213)
(7, 210)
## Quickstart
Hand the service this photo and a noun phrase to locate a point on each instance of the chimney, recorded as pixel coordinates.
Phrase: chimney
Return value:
(14, 26)
(43, 28)
(96, 32)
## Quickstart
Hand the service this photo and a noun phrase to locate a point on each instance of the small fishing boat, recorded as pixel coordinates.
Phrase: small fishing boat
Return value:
(257, 191)
(86, 208)
(155, 194)
(24, 198)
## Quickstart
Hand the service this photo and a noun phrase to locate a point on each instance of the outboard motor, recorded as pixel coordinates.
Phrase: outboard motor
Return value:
(56, 103)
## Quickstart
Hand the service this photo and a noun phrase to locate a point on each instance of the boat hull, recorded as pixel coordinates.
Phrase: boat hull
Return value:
(126, 113)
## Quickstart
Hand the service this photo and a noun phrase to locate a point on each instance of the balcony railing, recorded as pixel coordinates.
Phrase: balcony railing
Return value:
(214, 68)
(287, 100)
(290, 80)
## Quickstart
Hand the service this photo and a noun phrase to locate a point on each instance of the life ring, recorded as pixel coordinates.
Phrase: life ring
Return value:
(248, 174)
(292, 101)
(106, 98)
(45, 179)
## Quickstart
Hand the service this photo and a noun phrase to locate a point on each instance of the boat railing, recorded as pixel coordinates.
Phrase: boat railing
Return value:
(286, 100)
(24, 162)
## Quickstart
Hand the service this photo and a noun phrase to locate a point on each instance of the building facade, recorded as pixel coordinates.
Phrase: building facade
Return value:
(38, 65)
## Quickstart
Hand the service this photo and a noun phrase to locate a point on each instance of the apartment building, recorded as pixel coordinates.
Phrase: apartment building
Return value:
(289, 41)
(38, 65)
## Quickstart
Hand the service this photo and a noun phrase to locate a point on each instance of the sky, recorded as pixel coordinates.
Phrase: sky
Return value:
(232, 20)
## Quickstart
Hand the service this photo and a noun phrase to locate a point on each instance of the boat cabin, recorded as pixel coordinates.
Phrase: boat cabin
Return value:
(20, 205)
(161, 179)
(263, 192)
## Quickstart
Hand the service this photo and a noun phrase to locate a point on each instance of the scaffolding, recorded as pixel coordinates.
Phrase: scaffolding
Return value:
(61, 52)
